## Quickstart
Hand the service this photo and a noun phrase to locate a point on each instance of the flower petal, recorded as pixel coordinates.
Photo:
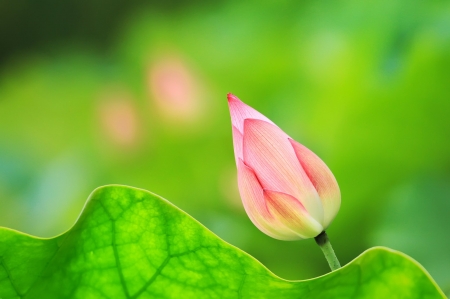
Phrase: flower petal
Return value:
(240, 111)
(289, 211)
(323, 180)
(237, 145)
(268, 152)
(255, 206)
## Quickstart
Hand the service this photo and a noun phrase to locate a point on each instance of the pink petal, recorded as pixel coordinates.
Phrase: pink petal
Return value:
(237, 144)
(268, 152)
(240, 111)
(289, 211)
(322, 179)
(255, 206)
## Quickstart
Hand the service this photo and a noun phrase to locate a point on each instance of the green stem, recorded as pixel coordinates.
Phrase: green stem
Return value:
(324, 244)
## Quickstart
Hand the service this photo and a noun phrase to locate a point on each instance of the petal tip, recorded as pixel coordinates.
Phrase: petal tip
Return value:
(253, 122)
(256, 124)
(231, 97)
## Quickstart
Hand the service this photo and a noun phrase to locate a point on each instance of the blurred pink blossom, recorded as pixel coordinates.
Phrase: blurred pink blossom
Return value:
(118, 117)
(174, 88)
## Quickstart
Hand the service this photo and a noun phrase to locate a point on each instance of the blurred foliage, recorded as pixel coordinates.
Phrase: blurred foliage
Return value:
(362, 84)
(27, 26)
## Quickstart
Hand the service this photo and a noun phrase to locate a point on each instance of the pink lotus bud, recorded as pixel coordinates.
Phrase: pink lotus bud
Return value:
(287, 191)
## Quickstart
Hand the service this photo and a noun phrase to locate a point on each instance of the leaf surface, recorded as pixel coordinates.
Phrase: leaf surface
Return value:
(130, 243)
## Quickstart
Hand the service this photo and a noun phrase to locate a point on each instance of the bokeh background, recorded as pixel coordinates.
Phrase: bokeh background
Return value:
(134, 92)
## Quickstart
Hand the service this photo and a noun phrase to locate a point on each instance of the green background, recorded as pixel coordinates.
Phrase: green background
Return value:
(94, 93)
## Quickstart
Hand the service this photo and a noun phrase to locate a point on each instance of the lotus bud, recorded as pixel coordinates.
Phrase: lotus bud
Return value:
(288, 192)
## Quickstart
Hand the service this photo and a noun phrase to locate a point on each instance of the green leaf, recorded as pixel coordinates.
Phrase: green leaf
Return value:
(129, 243)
